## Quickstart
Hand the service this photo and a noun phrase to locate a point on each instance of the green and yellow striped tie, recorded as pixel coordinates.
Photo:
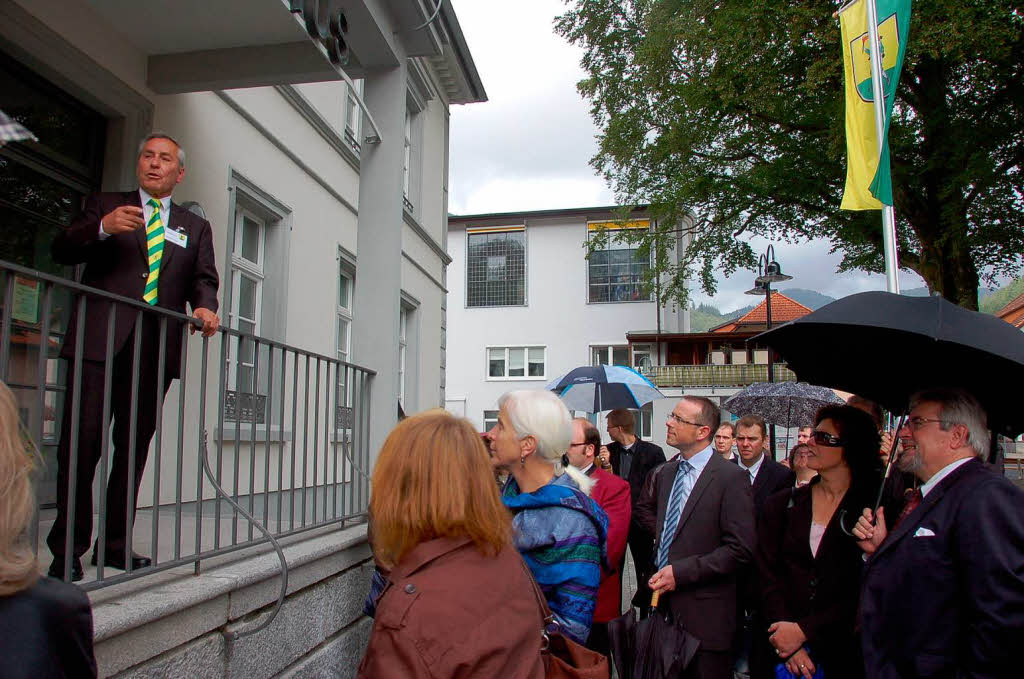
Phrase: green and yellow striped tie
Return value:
(155, 248)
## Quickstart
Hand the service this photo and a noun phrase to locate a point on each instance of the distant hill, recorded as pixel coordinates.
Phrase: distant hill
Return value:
(915, 292)
(811, 299)
(996, 300)
(705, 316)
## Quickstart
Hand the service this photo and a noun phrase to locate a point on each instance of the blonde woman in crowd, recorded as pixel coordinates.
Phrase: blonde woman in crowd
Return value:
(45, 624)
(458, 601)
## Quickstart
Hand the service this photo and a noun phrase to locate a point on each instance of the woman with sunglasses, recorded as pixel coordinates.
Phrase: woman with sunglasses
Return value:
(809, 566)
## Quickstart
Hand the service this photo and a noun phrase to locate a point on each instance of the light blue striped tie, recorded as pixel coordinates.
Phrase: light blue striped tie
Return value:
(681, 487)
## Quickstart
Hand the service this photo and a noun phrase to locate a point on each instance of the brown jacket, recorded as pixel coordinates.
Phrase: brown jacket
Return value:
(449, 611)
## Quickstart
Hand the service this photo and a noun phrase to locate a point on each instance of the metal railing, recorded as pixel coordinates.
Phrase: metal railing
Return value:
(739, 375)
(289, 426)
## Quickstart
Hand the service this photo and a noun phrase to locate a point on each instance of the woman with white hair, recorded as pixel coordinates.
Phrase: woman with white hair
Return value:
(45, 624)
(559, 530)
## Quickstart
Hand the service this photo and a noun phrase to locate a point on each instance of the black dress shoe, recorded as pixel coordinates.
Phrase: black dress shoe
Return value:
(116, 559)
(57, 569)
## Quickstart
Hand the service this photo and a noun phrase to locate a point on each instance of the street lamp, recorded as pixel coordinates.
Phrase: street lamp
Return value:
(768, 271)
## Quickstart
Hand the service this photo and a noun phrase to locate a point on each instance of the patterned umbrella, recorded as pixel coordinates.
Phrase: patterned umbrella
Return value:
(12, 130)
(787, 404)
(598, 388)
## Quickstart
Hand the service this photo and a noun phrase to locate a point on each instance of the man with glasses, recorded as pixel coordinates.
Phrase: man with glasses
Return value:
(633, 459)
(612, 494)
(943, 589)
(701, 509)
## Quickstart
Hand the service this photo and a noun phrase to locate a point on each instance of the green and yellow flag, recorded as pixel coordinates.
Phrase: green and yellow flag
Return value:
(868, 181)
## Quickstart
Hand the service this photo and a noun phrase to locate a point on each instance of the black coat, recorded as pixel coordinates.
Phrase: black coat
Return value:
(818, 592)
(771, 478)
(46, 633)
(713, 541)
(646, 456)
(944, 594)
(119, 264)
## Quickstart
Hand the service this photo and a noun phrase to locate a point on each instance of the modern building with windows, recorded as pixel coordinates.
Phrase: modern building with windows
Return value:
(317, 140)
(526, 304)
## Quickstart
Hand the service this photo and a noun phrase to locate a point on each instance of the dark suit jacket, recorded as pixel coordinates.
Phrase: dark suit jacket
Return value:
(944, 594)
(646, 456)
(818, 592)
(46, 632)
(612, 494)
(771, 478)
(118, 264)
(714, 540)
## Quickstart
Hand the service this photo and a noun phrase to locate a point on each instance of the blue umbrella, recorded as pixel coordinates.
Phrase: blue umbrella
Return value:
(597, 388)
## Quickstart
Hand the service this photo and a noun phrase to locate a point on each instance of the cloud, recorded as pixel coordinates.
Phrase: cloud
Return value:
(535, 132)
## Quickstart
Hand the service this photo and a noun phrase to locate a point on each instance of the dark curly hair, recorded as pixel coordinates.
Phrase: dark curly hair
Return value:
(860, 439)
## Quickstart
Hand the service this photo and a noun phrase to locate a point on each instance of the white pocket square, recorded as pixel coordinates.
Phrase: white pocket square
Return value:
(923, 532)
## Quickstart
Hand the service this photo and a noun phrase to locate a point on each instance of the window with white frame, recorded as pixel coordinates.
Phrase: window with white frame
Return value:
(615, 273)
(407, 159)
(609, 355)
(343, 332)
(642, 357)
(496, 266)
(247, 279)
(490, 419)
(403, 346)
(353, 114)
(525, 363)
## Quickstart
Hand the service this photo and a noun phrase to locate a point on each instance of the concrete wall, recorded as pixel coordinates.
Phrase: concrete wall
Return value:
(181, 625)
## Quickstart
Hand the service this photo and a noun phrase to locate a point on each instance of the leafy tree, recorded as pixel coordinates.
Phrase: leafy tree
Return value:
(727, 117)
(993, 303)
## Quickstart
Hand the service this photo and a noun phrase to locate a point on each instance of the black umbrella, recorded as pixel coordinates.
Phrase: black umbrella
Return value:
(787, 404)
(652, 648)
(885, 347)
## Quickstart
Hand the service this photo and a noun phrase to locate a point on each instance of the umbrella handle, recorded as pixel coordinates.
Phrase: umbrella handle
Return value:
(654, 599)
(885, 478)
(892, 458)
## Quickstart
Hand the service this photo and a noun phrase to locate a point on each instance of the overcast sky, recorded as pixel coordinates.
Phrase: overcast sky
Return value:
(529, 146)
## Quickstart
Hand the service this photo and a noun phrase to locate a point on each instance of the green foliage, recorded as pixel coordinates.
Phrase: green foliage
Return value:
(727, 118)
(992, 303)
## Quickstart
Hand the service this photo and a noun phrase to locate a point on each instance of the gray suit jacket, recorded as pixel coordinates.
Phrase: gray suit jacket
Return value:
(714, 539)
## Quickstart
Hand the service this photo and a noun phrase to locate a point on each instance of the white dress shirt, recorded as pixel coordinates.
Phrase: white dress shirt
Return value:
(752, 469)
(941, 474)
(147, 211)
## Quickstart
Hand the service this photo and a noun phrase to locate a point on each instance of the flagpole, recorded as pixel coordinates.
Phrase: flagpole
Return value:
(892, 283)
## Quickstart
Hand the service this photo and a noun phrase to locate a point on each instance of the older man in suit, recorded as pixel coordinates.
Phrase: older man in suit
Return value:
(612, 494)
(631, 458)
(142, 246)
(943, 593)
(701, 509)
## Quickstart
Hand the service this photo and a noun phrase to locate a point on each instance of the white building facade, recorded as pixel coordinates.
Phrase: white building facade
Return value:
(317, 136)
(526, 305)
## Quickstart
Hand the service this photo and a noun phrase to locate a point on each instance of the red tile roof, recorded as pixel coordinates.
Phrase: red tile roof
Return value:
(783, 309)
(1013, 313)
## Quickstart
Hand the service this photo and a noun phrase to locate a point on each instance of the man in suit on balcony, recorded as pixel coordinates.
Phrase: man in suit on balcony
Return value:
(633, 459)
(142, 246)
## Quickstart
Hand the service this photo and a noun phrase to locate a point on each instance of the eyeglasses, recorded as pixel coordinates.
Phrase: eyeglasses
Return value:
(823, 438)
(915, 423)
(573, 445)
(682, 421)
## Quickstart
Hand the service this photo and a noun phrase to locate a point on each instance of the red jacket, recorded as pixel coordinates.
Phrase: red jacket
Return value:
(449, 611)
(613, 495)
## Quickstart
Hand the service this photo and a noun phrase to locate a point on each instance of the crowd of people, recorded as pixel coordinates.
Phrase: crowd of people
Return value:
(776, 568)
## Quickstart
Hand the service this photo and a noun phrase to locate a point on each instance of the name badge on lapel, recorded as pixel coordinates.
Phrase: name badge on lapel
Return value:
(176, 237)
